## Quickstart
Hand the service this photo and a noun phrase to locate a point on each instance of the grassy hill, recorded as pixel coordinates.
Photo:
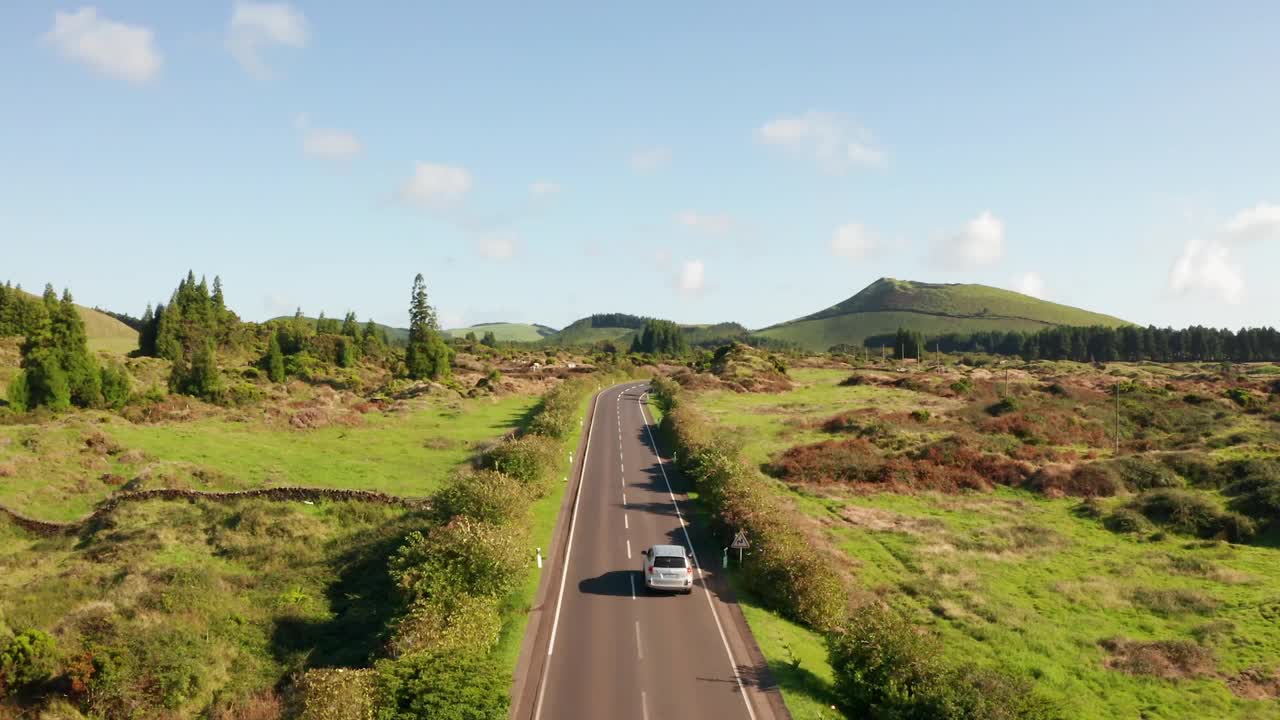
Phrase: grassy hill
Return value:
(621, 328)
(593, 329)
(105, 332)
(398, 336)
(933, 309)
(505, 332)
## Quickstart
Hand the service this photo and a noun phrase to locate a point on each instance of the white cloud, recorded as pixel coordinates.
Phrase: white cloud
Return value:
(711, 224)
(979, 243)
(835, 141)
(327, 143)
(500, 247)
(691, 277)
(1208, 268)
(650, 159)
(115, 49)
(544, 188)
(1030, 283)
(662, 257)
(854, 241)
(1257, 223)
(433, 184)
(256, 25)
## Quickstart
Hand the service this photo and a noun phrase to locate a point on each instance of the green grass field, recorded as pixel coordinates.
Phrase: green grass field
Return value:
(48, 472)
(1012, 579)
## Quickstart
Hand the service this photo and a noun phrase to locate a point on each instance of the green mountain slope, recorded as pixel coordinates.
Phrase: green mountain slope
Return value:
(933, 309)
(505, 332)
(621, 328)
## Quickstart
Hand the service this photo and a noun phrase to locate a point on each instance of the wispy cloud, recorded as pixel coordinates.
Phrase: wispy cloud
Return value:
(327, 143)
(978, 244)
(692, 278)
(835, 141)
(1030, 283)
(544, 188)
(854, 241)
(712, 224)
(115, 49)
(258, 25)
(434, 185)
(1207, 267)
(499, 246)
(1261, 222)
(646, 160)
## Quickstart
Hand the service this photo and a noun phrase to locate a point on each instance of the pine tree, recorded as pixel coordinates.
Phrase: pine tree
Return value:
(275, 360)
(219, 302)
(489, 339)
(72, 345)
(427, 355)
(147, 335)
(351, 328)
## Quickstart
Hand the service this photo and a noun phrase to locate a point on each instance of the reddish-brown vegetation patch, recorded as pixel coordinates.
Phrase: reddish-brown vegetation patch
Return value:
(1047, 426)
(1167, 659)
(1255, 684)
(1078, 481)
(851, 460)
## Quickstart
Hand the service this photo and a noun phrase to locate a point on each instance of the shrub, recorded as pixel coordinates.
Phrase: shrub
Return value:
(1005, 405)
(920, 416)
(28, 657)
(1192, 514)
(1126, 520)
(853, 380)
(1138, 473)
(466, 555)
(1194, 399)
(1090, 480)
(531, 460)
(334, 694)
(1175, 601)
(1243, 398)
(1196, 469)
(885, 668)
(851, 460)
(963, 386)
(443, 686)
(451, 623)
(115, 386)
(485, 495)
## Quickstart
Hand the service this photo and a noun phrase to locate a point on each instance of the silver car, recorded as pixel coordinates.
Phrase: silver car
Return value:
(667, 567)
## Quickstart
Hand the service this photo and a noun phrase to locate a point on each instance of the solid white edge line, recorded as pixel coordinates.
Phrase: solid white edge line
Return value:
(707, 592)
(564, 571)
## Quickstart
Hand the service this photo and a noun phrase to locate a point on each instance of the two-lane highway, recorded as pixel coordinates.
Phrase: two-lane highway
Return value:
(615, 650)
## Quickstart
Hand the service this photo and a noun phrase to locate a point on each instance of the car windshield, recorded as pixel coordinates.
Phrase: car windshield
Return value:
(668, 561)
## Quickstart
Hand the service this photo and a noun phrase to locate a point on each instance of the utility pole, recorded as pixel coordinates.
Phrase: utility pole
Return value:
(1006, 382)
(1117, 419)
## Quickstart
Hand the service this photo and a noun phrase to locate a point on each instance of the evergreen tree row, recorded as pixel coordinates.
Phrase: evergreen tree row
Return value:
(20, 313)
(58, 370)
(1098, 343)
(660, 337)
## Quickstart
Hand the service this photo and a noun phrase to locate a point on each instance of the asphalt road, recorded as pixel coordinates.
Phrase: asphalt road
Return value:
(614, 650)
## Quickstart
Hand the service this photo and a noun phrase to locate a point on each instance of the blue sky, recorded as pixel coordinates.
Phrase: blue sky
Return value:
(698, 161)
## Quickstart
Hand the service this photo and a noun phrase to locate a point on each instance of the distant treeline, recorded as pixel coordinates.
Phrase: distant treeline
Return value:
(1095, 343)
(20, 313)
(622, 320)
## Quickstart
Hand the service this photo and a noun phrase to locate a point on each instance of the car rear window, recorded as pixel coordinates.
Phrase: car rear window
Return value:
(667, 561)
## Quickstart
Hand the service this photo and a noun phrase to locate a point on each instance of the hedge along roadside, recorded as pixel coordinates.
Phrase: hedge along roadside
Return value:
(466, 576)
(883, 667)
(786, 572)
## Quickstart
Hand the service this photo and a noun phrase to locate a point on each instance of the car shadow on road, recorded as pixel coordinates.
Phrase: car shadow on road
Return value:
(615, 582)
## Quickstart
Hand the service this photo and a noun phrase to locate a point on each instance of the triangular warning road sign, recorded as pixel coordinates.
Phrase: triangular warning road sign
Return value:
(740, 541)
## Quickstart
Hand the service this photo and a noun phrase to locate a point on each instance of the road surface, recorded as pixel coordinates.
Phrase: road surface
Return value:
(608, 649)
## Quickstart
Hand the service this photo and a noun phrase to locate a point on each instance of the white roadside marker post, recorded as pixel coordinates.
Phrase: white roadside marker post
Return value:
(539, 558)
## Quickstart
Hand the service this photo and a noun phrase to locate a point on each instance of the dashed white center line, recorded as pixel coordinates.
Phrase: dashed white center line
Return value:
(639, 649)
(624, 499)
(644, 705)
(626, 524)
(633, 586)
(628, 549)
